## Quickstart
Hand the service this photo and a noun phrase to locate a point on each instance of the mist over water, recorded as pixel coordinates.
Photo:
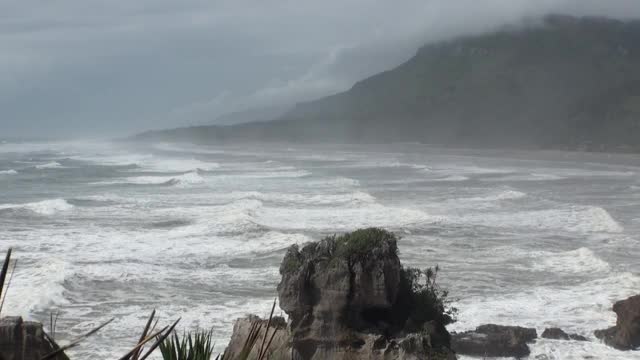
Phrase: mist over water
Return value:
(534, 239)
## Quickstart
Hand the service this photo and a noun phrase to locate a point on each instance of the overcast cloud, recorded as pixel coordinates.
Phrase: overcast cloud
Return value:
(78, 67)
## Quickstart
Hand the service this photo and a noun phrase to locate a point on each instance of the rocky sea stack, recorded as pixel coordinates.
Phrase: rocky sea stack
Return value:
(349, 297)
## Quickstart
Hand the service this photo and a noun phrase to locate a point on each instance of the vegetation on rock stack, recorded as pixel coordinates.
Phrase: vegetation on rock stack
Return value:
(421, 299)
(360, 244)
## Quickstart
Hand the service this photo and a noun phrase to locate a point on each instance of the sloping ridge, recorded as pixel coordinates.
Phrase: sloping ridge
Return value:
(570, 83)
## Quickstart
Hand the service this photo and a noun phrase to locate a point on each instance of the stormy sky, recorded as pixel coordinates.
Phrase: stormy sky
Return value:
(111, 67)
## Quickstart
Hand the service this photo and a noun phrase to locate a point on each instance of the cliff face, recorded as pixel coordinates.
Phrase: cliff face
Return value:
(569, 83)
(572, 82)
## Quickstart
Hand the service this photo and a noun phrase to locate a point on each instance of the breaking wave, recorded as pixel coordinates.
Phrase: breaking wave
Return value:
(328, 199)
(46, 207)
(50, 165)
(582, 219)
(503, 195)
(579, 261)
(184, 180)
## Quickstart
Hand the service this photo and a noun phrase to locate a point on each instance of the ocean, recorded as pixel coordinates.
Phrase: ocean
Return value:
(101, 230)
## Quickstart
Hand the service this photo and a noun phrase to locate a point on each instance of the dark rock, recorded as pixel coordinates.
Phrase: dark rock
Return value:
(559, 334)
(494, 341)
(577, 337)
(626, 334)
(555, 334)
(380, 343)
(25, 340)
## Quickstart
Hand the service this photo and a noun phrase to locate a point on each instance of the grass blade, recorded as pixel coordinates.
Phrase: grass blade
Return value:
(5, 268)
(161, 338)
(266, 332)
(142, 343)
(13, 271)
(75, 342)
(144, 334)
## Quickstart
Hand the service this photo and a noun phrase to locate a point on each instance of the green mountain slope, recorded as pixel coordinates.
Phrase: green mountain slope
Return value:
(572, 83)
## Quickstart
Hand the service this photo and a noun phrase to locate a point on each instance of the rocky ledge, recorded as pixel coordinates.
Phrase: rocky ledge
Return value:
(626, 334)
(559, 334)
(25, 340)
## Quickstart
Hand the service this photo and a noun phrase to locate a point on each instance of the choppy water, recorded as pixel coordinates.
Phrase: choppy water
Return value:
(533, 239)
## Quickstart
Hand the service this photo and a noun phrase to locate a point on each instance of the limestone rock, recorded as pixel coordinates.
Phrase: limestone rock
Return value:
(342, 298)
(329, 286)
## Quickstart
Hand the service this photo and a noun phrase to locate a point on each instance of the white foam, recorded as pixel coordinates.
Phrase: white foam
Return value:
(335, 182)
(184, 180)
(580, 309)
(329, 199)
(341, 218)
(234, 217)
(273, 174)
(318, 157)
(388, 164)
(497, 196)
(577, 350)
(50, 165)
(114, 159)
(470, 170)
(578, 261)
(150, 163)
(265, 243)
(583, 219)
(47, 276)
(528, 177)
(114, 198)
(452, 178)
(46, 207)
(8, 172)
(156, 164)
(187, 148)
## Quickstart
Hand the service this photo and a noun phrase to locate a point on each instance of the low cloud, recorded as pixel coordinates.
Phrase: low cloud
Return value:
(76, 66)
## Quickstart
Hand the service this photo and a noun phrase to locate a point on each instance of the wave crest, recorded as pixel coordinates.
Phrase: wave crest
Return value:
(45, 207)
(50, 165)
(575, 262)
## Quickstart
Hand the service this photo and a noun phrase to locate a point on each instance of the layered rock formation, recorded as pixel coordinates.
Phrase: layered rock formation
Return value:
(348, 297)
(345, 299)
(626, 334)
(25, 340)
